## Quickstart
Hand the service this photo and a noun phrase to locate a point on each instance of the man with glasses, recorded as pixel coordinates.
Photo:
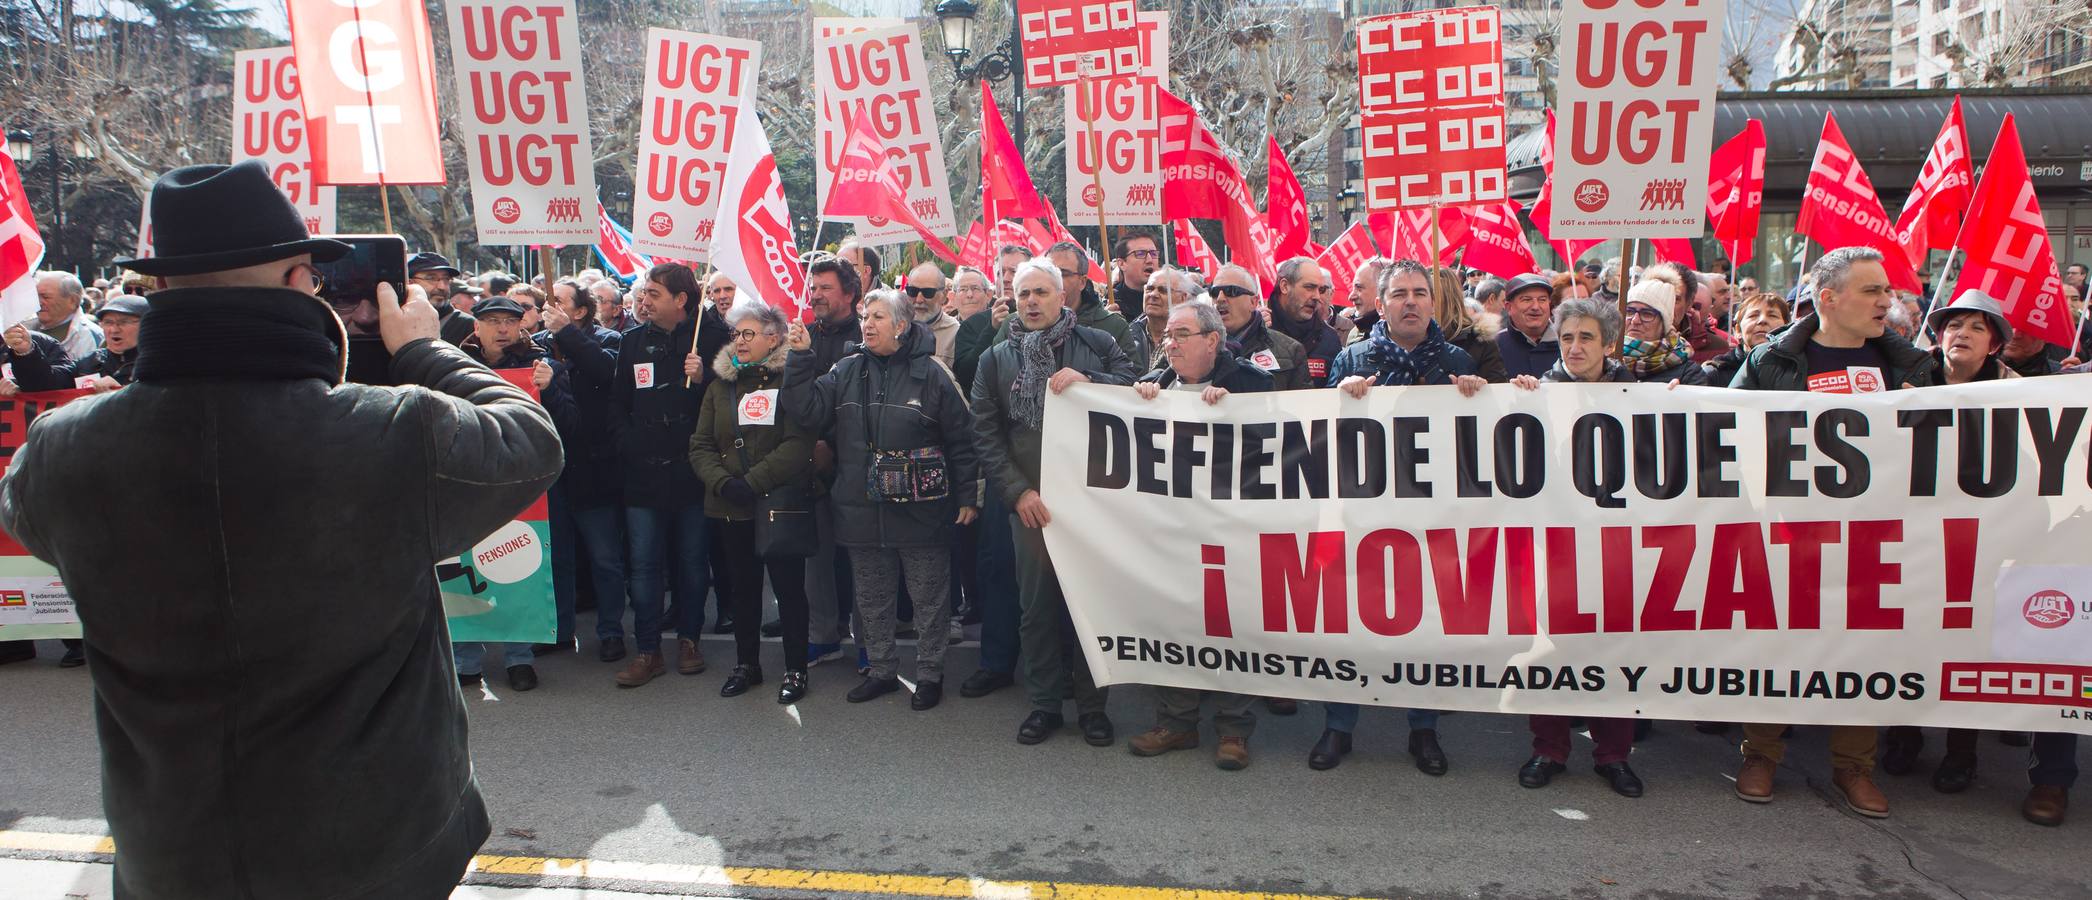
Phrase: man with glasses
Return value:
(1165, 290)
(926, 295)
(1300, 310)
(1234, 293)
(434, 273)
(1137, 256)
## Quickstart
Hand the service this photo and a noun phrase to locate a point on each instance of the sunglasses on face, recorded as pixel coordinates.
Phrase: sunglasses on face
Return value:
(923, 291)
(1229, 290)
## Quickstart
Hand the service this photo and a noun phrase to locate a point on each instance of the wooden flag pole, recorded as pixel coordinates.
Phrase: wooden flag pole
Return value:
(696, 326)
(385, 205)
(1088, 102)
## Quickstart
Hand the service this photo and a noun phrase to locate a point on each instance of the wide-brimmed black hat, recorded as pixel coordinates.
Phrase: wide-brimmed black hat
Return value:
(430, 262)
(213, 218)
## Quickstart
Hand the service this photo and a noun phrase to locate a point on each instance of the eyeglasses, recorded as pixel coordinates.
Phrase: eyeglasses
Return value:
(747, 335)
(1230, 290)
(1070, 273)
(1144, 254)
(1184, 335)
(319, 281)
(1644, 313)
(914, 291)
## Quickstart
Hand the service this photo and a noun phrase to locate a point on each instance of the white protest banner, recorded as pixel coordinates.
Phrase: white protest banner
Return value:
(1905, 557)
(1130, 132)
(1431, 108)
(696, 85)
(268, 123)
(1635, 112)
(882, 69)
(524, 114)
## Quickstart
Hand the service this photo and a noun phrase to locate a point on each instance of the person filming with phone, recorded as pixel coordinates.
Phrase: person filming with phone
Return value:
(273, 687)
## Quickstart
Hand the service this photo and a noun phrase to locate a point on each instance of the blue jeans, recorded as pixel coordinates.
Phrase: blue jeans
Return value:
(1344, 717)
(601, 532)
(673, 540)
(2055, 760)
(470, 656)
(997, 571)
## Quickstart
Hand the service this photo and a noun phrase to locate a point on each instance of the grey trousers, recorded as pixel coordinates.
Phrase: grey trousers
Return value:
(823, 612)
(1177, 709)
(878, 572)
(1047, 657)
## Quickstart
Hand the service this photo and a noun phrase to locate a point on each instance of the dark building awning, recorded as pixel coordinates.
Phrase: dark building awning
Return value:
(1890, 131)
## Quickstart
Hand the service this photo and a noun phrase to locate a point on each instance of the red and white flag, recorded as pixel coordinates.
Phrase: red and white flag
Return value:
(1200, 181)
(1285, 207)
(368, 85)
(1496, 242)
(2006, 239)
(1736, 191)
(614, 245)
(21, 248)
(1409, 233)
(1341, 259)
(1543, 209)
(867, 186)
(752, 232)
(1192, 249)
(1677, 250)
(1006, 186)
(1839, 208)
(1932, 214)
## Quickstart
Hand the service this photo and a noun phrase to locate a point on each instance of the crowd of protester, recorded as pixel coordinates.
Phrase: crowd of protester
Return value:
(904, 422)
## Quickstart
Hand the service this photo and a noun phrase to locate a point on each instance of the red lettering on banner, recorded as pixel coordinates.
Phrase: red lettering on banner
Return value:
(1288, 576)
(1390, 607)
(517, 34)
(1739, 553)
(1463, 597)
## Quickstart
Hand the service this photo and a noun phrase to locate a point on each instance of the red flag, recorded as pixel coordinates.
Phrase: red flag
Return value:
(1840, 209)
(752, 229)
(976, 247)
(1192, 249)
(1677, 250)
(1342, 258)
(1408, 233)
(1736, 191)
(1543, 214)
(2009, 256)
(1496, 242)
(1006, 188)
(1200, 181)
(367, 80)
(866, 185)
(1932, 214)
(21, 247)
(614, 245)
(1285, 206)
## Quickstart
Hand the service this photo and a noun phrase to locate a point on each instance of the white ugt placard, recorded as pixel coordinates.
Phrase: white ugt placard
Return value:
(268, 124)
(882, 68)
(524, 116)
(1130, 129)
(696, 84)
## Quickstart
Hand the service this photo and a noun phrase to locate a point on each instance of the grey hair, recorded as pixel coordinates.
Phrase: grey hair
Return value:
(1832, 268)
(67, 282)
(896, 304)
(1181, 279)
(1607, 316)
(1038, 264)
(1490, 287)
(969, 270)
(1607, 273)
(1207, 315)
(1289, 271)
(769, 318)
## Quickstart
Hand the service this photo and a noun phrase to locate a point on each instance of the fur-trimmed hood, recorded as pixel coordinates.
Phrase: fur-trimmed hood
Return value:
(723, 361)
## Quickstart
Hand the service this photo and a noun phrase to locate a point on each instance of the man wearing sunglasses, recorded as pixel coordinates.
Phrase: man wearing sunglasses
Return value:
(1137, 256)
(927, 292)
(1234, 292)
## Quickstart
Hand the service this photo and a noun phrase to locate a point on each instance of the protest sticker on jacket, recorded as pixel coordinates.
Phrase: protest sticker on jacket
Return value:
(523, 112)
(1127, 137)
(268, 124)
(1066, 40)
(34, 604)
(881, 70)
(1600, 550)
(1431, 108)
(696, 86)
(501, 589)
(368, 90)
(1636, 110)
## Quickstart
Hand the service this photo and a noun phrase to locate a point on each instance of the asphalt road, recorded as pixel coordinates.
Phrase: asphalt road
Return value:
(671, 773)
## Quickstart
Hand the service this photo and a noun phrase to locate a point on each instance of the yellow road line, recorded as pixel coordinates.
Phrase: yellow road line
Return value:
(812, 880)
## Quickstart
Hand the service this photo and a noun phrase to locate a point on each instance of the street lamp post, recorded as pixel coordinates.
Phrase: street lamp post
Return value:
(956, 17)
(21, 147)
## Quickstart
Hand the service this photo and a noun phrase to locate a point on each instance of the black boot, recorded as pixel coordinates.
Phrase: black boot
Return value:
(793, 689)
(1039, 726)
(1423, 744)
(1956, 772)
(927, 695)
(1900, 748)
(743, 678)
(872, 689)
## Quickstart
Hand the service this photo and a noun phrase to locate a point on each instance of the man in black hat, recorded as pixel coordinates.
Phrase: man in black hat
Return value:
(438, 279)
(272, 584)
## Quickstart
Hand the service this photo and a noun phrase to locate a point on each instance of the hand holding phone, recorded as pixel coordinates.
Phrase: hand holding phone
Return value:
(403, 325)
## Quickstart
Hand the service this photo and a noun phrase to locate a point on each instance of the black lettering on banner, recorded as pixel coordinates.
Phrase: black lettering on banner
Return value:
(2052, 440)
(1781, 453)
(1831, 430)
(1924, 426)
(1521, 455)
(1306, 458)
(1408, 456)
(1223, 461)
(1184, 456)
(1598, 468)
(1255, 458)
(1109, 443)
(1468, 482)
(1147, 457)
(1672, 482)
(1714, 450)
(1361, 445)
(2003, 465)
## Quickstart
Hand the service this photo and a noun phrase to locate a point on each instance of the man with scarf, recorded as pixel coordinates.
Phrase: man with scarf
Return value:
(1081, 298)
(1406, 348)
(272, 584)
(1047, 350)
(1300, 310)
(1234, 293)
(1654, 351)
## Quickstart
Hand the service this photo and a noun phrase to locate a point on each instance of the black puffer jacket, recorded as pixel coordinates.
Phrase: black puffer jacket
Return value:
(1616, 372)
(46, 367)
(1318, 342)
(1229, 374)
(1782, 363)
(1722, 369)
(901, 402)
(651, 427)
(591, 480)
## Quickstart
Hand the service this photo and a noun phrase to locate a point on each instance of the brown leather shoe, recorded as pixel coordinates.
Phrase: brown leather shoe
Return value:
(2046, 805)
(1754, 780)
(1857, 787)
(689, 659)
(1233, 754)
(644, 667)
(1159, 740)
